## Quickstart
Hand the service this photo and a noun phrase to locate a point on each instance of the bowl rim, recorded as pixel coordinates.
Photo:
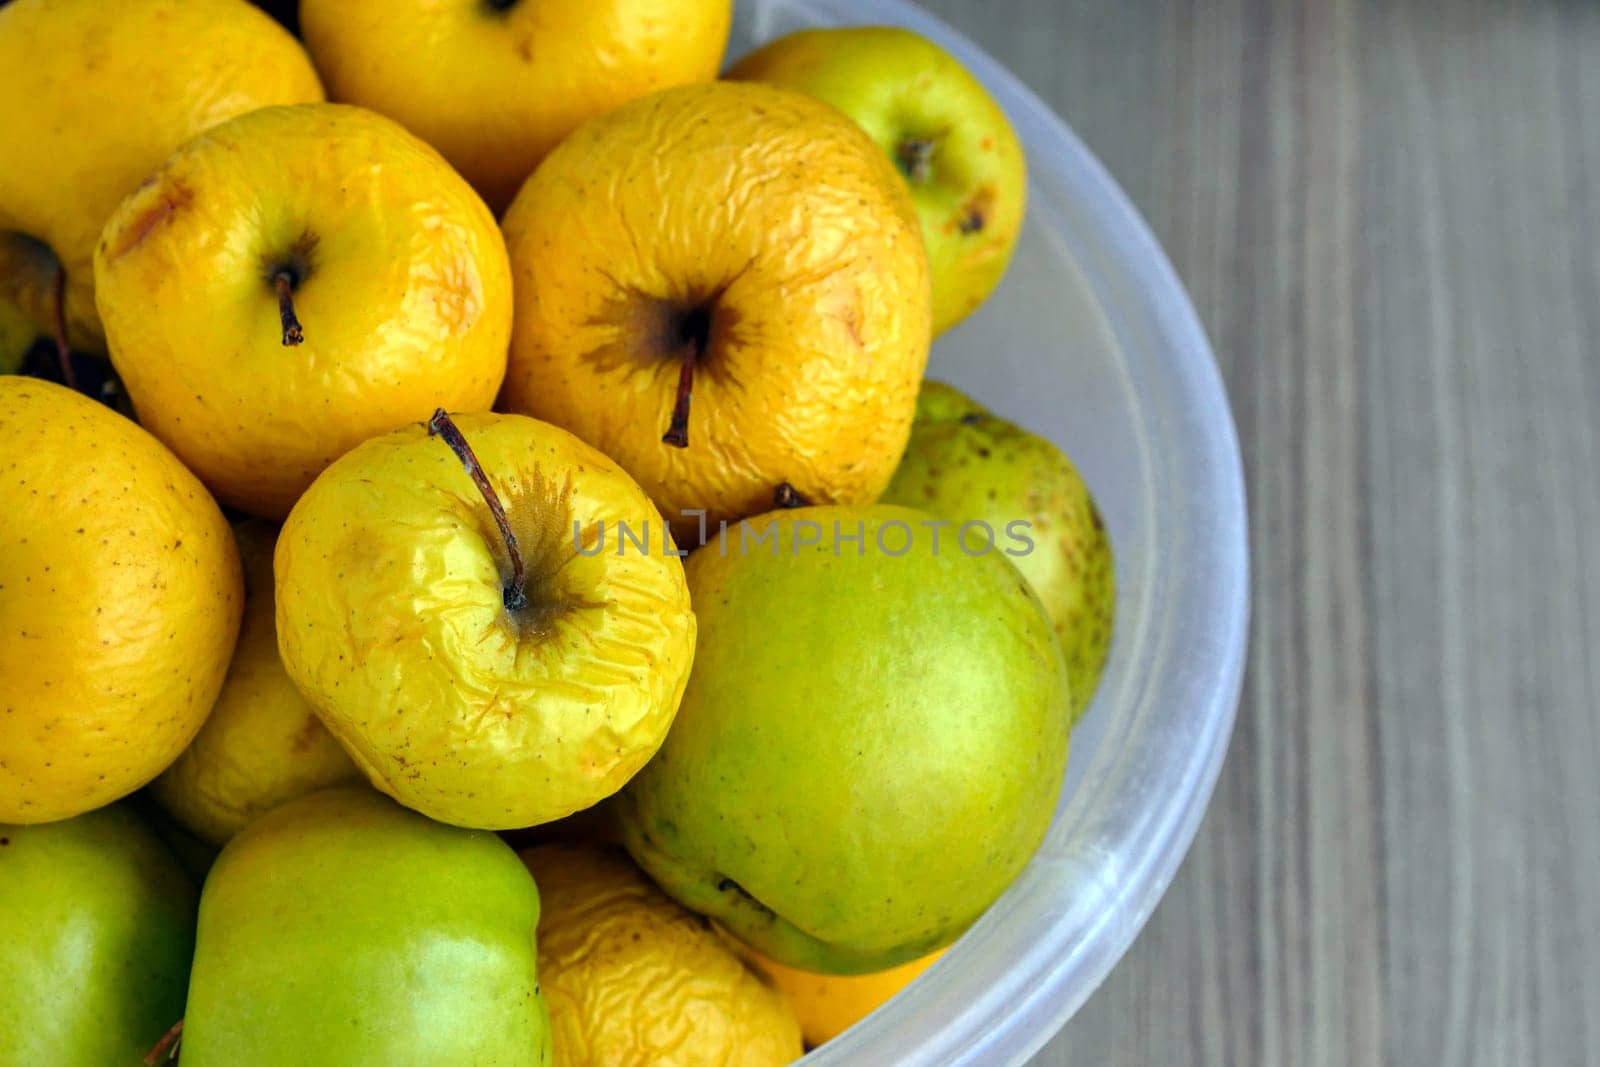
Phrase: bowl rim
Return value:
(1010, 1021)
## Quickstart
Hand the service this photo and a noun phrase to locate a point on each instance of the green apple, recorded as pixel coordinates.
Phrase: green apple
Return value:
(950, 139)
(96, 930)
(342, 929)
(872, 741)
(966, 464)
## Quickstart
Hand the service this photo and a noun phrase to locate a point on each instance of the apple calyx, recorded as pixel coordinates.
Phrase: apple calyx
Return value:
(788, 497)
(693, 334)
(167, 1047)
(284, 282)
(63, 352)
(915, 157)
(513, 591)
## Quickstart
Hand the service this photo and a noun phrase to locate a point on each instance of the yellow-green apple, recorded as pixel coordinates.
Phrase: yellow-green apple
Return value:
(96, 931)
(968, 465)
(495, 84)
(463, 607)
(342, 929)
(744, 246)
(293, 282)
(262, 744)
(93, 96)
(871, 745)
(950, 139)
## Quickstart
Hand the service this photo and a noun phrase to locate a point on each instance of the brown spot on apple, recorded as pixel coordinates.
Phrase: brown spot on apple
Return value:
(975, 212)
(850, 317)
(306, 736)
(167, 200)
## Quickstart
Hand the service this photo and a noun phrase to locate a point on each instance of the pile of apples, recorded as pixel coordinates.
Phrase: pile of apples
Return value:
(528, 451)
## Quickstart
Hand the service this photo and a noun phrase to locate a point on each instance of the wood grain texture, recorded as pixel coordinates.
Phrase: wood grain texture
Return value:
(1388, 213)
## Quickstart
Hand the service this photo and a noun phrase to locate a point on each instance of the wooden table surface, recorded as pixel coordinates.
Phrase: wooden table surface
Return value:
(1388, 213)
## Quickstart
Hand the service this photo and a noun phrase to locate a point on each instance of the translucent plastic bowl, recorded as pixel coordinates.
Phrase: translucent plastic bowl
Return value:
(1091, 341)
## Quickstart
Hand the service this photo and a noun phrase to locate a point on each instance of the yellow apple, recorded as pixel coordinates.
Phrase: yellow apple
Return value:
(93, 96)
(495, 84)
(120, 596)
(293, 282)
(484, 642)
(632, 977)
(948, 136)
(262, 743)
(742, 245)
(829, 1004)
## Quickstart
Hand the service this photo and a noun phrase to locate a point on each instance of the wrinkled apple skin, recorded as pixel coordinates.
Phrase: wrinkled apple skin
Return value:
(631, 977)
(392, 621)
(870, 748)
(762, 221)
(343, 929)
(96, 931)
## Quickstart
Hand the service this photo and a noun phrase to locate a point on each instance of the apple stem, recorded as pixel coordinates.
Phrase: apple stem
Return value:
(63, 351)
(513, 593)
(292, 333)
(787, 496)
(677, 433)
(167, 1047)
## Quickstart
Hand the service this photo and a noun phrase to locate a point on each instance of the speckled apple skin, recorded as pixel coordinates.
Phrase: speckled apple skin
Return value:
(967, 464)
(120, 598)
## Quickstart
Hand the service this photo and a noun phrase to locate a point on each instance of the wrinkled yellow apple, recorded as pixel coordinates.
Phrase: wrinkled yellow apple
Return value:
(262, 744)
(396, 618)
(740, 245)
(390, 262)
(120, 596)
(93, 96)
(631, 976)
(495, 84)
